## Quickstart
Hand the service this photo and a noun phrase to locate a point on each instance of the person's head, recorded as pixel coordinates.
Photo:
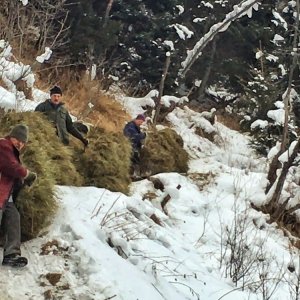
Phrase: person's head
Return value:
(139, 120)
(19, 136)
(55, 95)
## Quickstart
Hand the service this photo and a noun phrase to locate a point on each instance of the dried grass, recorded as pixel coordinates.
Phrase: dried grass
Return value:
(106, 112)
(106, 161)
(229, 121)
(52, 162)
(163, 152)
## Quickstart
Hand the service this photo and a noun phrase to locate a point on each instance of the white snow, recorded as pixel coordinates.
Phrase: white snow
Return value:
(182, 31)
(105, 245)
(45, 56)
(277, 115)
(259, 123)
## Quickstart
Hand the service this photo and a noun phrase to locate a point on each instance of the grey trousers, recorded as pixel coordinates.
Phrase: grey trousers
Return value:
(10, 220)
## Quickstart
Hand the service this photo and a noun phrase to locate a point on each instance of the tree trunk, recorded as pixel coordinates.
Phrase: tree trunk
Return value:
(280, 183)
(161, 89)
(204, 81)
(274, 166)
(286, 99)
(108, 9)
(275, 163)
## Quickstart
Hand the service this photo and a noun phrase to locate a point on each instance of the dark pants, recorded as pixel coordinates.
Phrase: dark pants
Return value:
(135, 158)
(135, 162)
(10, 220)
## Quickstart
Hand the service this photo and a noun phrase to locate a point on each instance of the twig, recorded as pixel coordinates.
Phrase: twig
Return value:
(110, 297)
(105, 216)
(191, 289)
(242, 287)
(159, 291)
(97, 205)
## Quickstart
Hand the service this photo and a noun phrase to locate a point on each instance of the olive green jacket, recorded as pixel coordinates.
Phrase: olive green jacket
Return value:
(61, 118)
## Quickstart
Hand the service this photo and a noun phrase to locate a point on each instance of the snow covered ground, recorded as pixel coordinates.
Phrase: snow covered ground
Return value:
(206, 243)
(105, 245)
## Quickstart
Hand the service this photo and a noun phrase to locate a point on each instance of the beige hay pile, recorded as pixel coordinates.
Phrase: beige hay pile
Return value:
(51, 160)
(163, 152)
(106, 161)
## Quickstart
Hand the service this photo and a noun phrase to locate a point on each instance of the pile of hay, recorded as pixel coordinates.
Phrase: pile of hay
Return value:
(51, 160)
(106, 161)
(163, 152)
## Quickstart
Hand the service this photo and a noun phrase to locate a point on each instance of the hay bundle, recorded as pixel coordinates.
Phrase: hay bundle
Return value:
(106, 161)
(51, 160)
(163, 152)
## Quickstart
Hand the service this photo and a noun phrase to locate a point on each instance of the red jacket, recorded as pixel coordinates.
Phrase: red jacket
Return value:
(11, 169)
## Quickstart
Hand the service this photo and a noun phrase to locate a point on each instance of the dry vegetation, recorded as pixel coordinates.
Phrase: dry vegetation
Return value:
(202, 179)
(229, 120)
(37, 205)
(163, 152)
(105, 163)
(89, 103)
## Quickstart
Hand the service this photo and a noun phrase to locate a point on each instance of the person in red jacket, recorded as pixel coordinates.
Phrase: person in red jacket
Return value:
(13, 175)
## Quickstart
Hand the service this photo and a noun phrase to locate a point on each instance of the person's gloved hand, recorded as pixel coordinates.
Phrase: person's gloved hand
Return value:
(30, 178)
(85, 142)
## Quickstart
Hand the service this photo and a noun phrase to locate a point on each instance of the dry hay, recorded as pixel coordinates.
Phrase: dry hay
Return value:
(163, 152)
(51, 160)
(105, 111)
(105, 162)
(44, 144)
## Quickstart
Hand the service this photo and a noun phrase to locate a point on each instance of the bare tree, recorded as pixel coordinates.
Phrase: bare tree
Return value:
(287, 95)
(204, 81)
(275, 163)
(35, 26)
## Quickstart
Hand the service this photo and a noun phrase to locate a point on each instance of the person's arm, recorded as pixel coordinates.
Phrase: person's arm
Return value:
(72, 130)
(40, 107)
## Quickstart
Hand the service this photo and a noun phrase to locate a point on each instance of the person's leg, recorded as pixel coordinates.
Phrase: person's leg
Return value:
(1, 242)
(12, 230)
(135, 160)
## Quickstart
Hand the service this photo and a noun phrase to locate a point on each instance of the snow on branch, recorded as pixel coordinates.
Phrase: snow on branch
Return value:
(238, 11)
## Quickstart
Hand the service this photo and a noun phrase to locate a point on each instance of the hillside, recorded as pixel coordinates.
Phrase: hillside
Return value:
(215, 214)
(104, 245)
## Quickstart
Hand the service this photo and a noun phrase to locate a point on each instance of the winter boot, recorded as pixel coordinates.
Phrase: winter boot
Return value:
(14, 260)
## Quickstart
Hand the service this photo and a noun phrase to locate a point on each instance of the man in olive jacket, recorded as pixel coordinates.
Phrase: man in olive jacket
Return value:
(54, 109)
